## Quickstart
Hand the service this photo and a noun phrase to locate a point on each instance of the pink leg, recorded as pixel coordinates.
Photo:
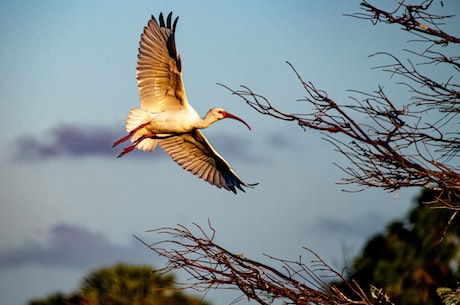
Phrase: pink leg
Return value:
(129, 135)
(126, 150)
(122, 140)
(130, 148)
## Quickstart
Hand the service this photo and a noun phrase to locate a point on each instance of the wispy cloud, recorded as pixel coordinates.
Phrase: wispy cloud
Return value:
(73, 246)
(233, 146)
(359, 227)
(279, 140)
(68, 140)
(76, 141)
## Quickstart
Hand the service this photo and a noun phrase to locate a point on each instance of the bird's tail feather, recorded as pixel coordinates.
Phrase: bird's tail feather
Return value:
(137, 118)
(147, 144)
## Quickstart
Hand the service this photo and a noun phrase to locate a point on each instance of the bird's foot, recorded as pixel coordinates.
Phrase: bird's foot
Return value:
(127, 150)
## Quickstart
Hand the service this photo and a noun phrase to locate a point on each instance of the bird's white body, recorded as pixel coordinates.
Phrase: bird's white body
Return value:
(166, 122)
(171, 121)
(165, 116)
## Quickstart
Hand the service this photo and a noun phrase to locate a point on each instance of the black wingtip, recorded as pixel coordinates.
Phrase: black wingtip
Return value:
(170, 24)
(168, 20)
(161, 19)
(174, 24)
(234, 183)
(240, 187)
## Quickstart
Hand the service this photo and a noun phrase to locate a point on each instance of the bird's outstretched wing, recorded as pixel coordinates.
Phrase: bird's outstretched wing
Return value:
(159, 76)
(193, 152)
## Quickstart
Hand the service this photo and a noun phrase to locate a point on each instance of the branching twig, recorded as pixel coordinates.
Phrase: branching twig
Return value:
(210, 266)
(415, 144)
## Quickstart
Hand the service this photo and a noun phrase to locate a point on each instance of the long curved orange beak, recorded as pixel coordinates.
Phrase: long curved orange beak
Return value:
(231, 116)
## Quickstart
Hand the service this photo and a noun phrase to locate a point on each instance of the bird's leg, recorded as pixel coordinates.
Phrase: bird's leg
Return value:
(135, 143)
(129, 135)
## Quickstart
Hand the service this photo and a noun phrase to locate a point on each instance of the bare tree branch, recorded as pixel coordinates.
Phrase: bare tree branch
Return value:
(414, 18)
(210, 266)
(416, 144)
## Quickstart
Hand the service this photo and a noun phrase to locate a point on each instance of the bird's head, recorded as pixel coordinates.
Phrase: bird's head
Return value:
(219, 114)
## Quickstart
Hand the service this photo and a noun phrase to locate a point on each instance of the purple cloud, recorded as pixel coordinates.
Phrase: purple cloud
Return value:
(231, 146)
(359, 227)
(279, 140)
(69, 140)
(76, 141)
(73, 246)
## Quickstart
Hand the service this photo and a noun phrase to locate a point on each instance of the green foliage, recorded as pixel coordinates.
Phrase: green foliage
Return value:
(449, 296)
(55, 299)
(379, 296)
(123, 285)
(411, 259)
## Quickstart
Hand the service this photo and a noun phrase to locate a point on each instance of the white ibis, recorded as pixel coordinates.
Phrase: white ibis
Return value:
(166, 118)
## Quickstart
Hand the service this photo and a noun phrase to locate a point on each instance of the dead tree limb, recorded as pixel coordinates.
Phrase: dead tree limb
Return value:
(391, 145)
(211, 266)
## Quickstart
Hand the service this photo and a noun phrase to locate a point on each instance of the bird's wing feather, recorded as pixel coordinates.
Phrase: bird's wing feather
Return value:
(194, 153)
(159, 70)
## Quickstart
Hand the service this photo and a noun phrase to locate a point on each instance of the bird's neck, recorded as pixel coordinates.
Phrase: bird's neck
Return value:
(206, 121)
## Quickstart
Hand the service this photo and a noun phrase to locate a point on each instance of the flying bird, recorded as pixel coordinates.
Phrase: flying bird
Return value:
(166, 118)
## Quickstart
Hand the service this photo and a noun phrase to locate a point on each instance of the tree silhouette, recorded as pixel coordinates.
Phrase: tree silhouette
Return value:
(408, 260)
(123, 285)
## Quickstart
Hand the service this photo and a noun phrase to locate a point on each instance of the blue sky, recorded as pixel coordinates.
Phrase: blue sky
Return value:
(67, 82)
